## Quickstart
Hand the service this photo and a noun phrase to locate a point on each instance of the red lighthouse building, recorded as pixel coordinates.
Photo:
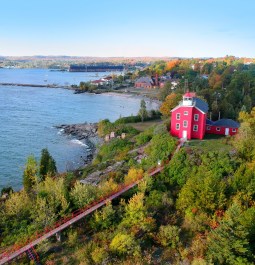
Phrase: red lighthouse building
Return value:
(189, 120)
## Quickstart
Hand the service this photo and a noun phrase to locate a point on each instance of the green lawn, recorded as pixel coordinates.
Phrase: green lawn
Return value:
(142, 126)
(211, 142)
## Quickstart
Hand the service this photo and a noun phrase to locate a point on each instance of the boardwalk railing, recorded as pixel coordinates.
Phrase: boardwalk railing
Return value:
(63, 223)
(18, 249)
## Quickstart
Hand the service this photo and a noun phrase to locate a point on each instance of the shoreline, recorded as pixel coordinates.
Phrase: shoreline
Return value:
(119, 93)
(87, 134)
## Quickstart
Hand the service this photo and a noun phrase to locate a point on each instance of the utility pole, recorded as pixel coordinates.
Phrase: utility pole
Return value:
(186, 85)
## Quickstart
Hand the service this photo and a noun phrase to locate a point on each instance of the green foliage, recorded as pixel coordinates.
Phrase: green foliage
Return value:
(119, 127)
(82, 194)
(99, 255)
(6, 190)
(72, 238)
(86, 87)
(169, 236)
(143, 111)
(55, 193)
(179, 169)
(245, 139)
(144, 137)
(114, 148)
(105, 127)
(47, 164)
(129, 119)
(104, 218)
(15, 217)
(165, 91)
(125, 244)
(30, 174)
(228, 244)
(160, 148)
(44, 214)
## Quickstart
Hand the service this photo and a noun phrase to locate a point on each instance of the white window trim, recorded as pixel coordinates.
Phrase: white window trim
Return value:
(196, 117)
(233, 130)
(195, 126)
(208, 127)
(184, 124)
(217, 129)
(186, 113)
(177, 127)
(178, 114)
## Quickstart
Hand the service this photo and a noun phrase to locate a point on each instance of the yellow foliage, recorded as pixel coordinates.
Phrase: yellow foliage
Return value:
(133, 175)
(108, 187)
(56, 193)
(17, 203)
(170, 102)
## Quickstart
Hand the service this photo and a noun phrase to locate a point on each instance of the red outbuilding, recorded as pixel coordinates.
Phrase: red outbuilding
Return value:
(223, 127)
(189, 120)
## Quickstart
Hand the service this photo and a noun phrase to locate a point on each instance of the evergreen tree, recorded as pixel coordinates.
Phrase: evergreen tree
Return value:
(30, 174)
(143, 111)
(228, 244)
(47, 164)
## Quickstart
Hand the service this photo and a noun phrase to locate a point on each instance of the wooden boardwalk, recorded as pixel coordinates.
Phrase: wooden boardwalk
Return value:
(16, 251)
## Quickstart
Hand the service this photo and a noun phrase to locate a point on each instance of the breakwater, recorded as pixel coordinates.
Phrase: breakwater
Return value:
(35, 85)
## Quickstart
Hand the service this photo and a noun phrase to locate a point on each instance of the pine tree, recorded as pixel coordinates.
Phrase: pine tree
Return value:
(30, 174)
(143, 111)
(228, 244)
(47, 164)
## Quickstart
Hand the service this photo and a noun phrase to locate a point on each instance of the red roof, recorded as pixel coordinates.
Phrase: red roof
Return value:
(189, 95)
(97, 81)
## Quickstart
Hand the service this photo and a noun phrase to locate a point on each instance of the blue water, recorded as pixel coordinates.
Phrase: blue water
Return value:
(28, 116)
(45, 76)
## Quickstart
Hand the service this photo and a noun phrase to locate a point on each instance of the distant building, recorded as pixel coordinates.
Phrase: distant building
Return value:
(188, 120)
(173, 82)
(107, 138)
(98, 82)
(112, 135)
(144, 82)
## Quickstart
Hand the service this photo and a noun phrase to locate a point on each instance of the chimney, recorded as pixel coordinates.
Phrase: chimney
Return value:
(156, 80)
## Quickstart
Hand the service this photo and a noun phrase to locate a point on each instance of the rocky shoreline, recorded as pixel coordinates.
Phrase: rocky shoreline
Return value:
(86, 132)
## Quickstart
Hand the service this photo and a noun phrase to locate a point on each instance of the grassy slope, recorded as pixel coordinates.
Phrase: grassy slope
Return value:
(142, 126)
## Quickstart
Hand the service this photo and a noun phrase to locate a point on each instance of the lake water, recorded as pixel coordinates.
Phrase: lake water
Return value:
(28, 116)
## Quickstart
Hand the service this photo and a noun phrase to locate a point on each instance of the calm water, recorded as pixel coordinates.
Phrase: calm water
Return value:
(28, 116)
(45, 76)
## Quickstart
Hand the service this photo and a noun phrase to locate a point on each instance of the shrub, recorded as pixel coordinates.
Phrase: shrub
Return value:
(169, 236)
(123, 244)
(82, 195)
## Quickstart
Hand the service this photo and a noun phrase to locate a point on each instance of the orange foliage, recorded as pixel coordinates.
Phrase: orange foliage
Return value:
(170, 65)
(170, 102)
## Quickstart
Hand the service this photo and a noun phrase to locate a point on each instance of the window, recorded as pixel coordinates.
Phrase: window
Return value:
(186, 113)
(196, 117)
(177, 126)
(185, 124)
(195, 128)
(233, 130)
(178, 116)
(208, 128)
(217, 129)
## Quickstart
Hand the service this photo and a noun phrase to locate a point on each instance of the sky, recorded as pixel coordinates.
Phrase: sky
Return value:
(129, 28)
